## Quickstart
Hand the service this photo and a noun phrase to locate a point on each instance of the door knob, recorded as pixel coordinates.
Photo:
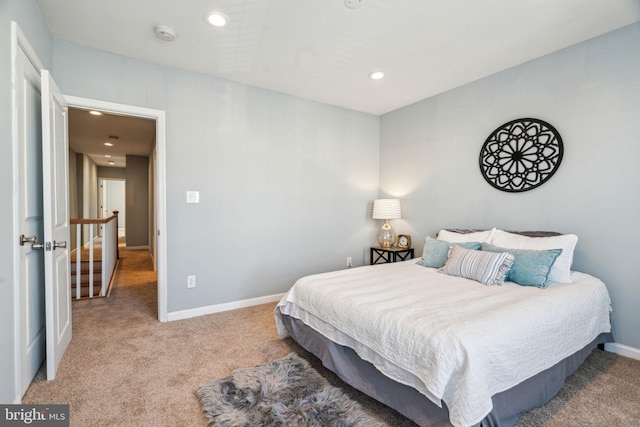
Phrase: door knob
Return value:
(32, 240)
(23, 240)
(57, 245)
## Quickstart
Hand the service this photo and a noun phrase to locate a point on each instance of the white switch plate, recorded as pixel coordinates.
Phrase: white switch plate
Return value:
(193, 197)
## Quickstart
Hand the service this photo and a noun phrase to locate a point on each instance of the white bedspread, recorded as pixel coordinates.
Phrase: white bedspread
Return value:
(453, 339)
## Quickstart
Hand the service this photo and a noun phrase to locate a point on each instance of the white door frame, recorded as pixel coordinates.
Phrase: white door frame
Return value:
(159, 117)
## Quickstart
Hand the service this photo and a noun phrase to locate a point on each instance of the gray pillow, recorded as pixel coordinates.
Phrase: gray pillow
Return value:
(488, 268)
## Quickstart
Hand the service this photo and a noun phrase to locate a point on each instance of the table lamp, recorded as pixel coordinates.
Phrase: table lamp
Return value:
(386, 209)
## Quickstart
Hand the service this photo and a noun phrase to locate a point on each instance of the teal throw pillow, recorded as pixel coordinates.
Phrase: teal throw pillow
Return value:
(530, 267)
(436, 251)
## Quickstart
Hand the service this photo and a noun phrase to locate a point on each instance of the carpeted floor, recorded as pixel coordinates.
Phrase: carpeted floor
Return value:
(124, 368)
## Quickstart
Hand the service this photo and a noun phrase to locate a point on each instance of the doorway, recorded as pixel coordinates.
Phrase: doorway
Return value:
(112, 199)
(157, 170)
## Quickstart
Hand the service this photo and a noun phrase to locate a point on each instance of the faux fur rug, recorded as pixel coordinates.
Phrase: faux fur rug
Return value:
(283, 392)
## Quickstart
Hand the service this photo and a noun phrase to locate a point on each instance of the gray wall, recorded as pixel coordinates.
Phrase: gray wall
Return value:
(73, 197)
(79, 182)
(137, 201)
(89, 196)
(591, 94)
(153, 207)
(29, 17)
(109, 173)
(284, 183)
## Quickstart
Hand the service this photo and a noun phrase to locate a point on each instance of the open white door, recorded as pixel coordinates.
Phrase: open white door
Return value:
(55, 167)
(30, 317)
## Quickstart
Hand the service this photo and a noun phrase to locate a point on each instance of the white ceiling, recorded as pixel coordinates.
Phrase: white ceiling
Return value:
(322, 50)
(129, 135)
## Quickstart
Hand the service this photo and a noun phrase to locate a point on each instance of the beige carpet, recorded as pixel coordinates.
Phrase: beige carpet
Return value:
(124, 368)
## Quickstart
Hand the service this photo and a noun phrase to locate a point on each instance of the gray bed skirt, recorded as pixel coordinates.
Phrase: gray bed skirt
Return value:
(507, 405)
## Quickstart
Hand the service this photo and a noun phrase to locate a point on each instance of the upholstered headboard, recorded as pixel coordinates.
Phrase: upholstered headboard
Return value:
(522, 233)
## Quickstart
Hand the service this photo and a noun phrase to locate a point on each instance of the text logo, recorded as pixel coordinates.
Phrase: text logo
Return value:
(34, 415)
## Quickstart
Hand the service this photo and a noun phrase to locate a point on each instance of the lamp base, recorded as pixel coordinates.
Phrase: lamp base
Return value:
(386, 235)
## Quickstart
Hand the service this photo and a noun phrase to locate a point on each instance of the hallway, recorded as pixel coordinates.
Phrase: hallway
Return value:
(135, 282)
(133, 291)
(134, 288)
(96, 347)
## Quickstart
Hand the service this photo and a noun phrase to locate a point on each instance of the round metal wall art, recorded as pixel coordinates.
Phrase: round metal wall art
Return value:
(521, 155)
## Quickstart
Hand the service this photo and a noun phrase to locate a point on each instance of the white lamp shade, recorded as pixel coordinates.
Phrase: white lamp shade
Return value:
(386, 209)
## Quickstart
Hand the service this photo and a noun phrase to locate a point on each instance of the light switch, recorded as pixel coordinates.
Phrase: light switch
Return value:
(193, 197)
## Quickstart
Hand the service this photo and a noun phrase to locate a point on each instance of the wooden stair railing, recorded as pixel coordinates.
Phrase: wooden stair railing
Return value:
(93, 271)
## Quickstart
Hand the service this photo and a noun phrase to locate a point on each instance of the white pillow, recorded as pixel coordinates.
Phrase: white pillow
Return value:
(478, 236)
(561, 268)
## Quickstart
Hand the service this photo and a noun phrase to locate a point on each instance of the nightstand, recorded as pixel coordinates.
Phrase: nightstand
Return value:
(379, 255)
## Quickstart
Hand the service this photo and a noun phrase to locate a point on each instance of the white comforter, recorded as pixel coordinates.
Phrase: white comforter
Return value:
(453, 339)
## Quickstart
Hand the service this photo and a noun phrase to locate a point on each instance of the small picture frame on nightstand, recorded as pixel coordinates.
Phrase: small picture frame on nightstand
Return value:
(404, 241)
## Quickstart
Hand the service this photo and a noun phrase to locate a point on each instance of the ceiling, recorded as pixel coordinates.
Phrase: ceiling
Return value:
(129, 136)
(323, 50)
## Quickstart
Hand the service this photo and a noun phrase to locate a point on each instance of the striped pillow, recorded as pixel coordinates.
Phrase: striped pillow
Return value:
(489, 268)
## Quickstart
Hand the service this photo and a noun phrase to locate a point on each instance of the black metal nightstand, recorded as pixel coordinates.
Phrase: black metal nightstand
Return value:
(384, 255)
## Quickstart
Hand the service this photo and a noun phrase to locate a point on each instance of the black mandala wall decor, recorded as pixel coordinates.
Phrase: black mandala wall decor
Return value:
(521, 155)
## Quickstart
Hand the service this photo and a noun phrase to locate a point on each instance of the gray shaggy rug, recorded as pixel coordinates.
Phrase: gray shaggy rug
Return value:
(284, 392)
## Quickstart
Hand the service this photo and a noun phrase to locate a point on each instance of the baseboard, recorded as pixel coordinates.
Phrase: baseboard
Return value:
(137, 248)
(623, 350)
(217, 308)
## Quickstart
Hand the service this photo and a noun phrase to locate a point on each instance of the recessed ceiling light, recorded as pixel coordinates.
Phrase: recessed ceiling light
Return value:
(109, 144)
(107, 155)
(111, 162)
(95, 113)
(215, 18)
(376, 75)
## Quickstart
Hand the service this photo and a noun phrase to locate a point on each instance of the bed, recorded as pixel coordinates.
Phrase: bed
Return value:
(443, 348)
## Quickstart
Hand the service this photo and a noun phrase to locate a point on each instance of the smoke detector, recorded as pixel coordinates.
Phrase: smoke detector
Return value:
(353, 4)
(165, 33)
